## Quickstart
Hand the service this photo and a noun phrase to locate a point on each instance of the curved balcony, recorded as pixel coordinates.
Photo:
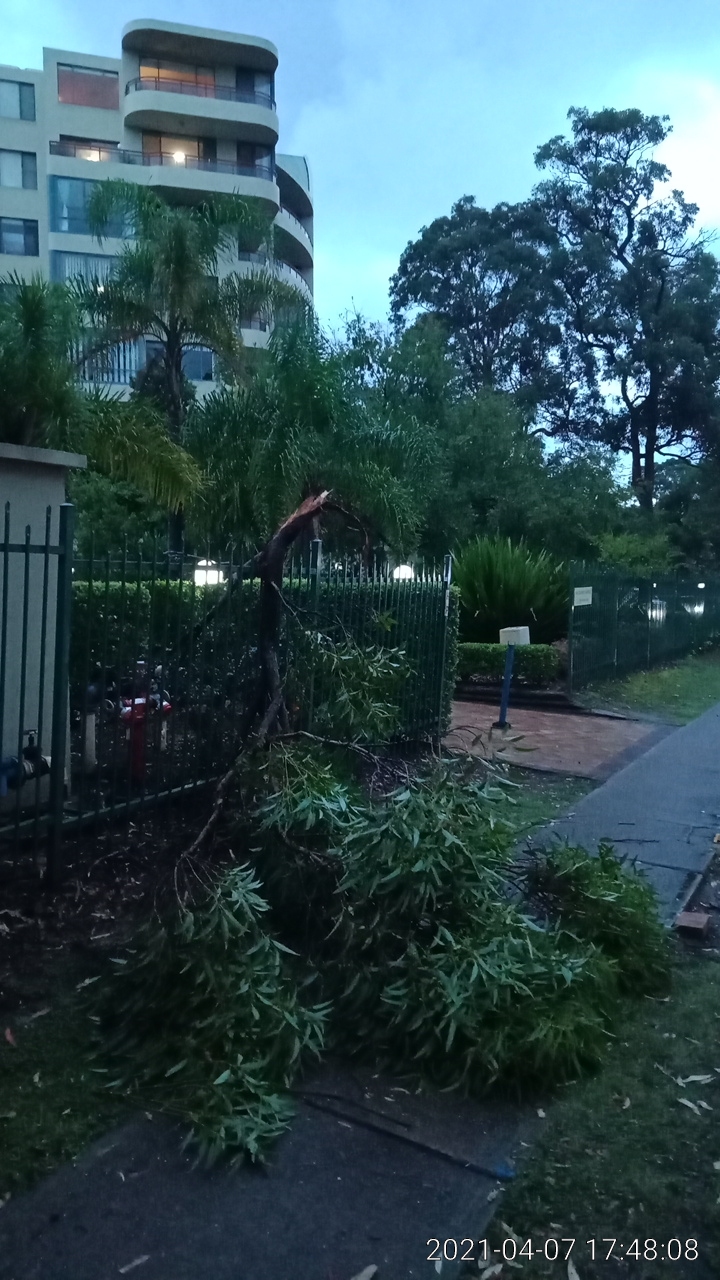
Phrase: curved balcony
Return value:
(172, 106)
(181, 175)
(292, 241)
(192, 88)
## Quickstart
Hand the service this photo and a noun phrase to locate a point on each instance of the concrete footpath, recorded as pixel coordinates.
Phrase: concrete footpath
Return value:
(369, 1172)
(660, 812)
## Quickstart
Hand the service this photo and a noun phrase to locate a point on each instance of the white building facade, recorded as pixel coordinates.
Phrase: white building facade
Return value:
(185, 110)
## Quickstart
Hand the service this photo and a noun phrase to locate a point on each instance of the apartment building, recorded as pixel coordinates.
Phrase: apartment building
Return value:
(185, 110)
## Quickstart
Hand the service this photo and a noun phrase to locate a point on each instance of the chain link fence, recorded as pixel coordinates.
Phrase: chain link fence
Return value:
(620, 623)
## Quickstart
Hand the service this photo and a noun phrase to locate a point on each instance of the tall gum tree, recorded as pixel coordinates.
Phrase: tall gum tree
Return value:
(638, 296)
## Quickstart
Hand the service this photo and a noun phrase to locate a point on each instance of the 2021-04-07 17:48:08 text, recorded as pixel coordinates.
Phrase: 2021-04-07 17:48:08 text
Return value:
(554, 1250)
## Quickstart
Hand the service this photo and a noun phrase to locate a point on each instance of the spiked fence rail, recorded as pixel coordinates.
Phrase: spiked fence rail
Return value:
(153, 656)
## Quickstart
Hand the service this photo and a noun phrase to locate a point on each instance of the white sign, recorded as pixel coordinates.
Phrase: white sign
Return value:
(582, 595)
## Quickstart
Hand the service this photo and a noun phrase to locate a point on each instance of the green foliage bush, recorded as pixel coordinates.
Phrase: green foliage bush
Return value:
(433, 950)
(536, 664)
(506, 585)
(613, 908)
(203, 1018)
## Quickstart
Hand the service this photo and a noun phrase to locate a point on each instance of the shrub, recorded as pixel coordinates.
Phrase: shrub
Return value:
(537, 664)
(613, 908)
(202, 1018)
(506, 585)
(440, 973)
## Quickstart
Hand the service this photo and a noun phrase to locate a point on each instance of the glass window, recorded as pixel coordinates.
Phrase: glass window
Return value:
(91, 266)
(11, 174)
(20, 236)
(197, 364)
(176, 72)
(69, 199)
(18, 169)
(17, 100)
(88, 87)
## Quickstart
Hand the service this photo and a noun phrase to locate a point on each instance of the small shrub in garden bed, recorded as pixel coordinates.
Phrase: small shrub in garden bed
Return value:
(535, 664)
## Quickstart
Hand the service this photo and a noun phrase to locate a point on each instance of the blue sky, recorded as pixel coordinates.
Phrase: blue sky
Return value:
(402, 106)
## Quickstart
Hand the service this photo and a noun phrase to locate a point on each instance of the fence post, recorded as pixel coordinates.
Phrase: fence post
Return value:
(571, 615)
(61, 673)
(314, 573)
(447, 580)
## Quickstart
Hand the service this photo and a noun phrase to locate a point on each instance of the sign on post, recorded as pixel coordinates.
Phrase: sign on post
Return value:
(581, 596)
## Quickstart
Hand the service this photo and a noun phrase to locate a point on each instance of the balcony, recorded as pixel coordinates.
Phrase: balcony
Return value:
(219, 111)
(175, 159)
(295, 221)
(224, 93)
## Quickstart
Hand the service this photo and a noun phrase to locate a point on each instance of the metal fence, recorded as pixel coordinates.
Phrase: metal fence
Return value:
(123, 679)
(620, 624)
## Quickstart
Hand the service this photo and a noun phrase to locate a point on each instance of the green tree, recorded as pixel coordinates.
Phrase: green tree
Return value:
(300, 425)
(167, 284)
(42, 402)
(483, 274)
(639, 294)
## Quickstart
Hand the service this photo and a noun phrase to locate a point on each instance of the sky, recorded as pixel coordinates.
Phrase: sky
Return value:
(404, 106)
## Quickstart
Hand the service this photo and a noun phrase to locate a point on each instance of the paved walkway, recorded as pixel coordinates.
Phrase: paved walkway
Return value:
(661, 811)
(587, 745)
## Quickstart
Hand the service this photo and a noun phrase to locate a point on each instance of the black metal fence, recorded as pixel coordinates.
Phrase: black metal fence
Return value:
(123, 679)
(620, 624)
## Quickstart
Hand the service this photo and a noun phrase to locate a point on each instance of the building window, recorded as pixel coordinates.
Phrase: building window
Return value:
(256, 84)
(89, 266)
(19, 236)
(69, 199)
(197, 363)
(17, 100)
(251, 156)
(18, 169)
(183, 151)
(84, 148)
(177, 73)
(88, 87)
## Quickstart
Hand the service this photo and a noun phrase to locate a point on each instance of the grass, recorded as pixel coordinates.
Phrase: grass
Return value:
(51, 1103)
(623, 1157)
(542, 796)
(677, 693)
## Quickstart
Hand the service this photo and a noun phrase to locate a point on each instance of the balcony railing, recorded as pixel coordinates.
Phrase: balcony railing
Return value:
(284, 209)
(177, 160)
(225, 93)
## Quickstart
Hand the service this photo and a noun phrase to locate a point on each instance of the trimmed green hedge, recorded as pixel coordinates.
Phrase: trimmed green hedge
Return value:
(114, 624)
(538, 664)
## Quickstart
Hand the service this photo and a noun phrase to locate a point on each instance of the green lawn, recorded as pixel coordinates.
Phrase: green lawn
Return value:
(623, 1157)
(542, 796)
(677, 693)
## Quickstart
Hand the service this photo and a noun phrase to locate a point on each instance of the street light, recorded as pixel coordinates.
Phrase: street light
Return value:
(207, 574)
(403, 572)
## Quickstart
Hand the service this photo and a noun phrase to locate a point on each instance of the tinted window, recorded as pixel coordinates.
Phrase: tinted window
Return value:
(20, 236)
(87, 87)
(17, 100)
(69, 199)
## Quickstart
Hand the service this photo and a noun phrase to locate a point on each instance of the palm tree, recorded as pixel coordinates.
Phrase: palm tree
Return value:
(167, 284)
(298, 427)
(42, 403)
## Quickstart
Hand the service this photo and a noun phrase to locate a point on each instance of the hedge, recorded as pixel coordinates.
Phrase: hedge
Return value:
(538, 664)
(115, 624)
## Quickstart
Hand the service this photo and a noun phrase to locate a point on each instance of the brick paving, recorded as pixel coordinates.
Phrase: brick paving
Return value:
(589, 746)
